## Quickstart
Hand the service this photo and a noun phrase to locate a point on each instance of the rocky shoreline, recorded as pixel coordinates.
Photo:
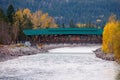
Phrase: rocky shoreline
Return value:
(7, 52)
(100, 54)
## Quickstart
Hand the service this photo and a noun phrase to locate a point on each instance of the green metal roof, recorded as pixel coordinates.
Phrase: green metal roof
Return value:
(51, 31)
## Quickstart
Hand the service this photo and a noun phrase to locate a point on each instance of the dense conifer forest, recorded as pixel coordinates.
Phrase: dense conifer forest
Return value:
(63, 11)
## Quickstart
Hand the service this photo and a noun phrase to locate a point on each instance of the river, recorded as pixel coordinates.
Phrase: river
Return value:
(59, 64)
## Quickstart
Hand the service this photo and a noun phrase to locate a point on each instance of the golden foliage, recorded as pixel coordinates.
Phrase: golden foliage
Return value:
(117, 45)
(111, 37)
(80, 25)
(108, 34)
(116, 41)
(88, 25)
(43, 20)
(38, 19)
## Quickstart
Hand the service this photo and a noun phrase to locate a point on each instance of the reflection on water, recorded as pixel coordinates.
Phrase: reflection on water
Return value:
(59, 67)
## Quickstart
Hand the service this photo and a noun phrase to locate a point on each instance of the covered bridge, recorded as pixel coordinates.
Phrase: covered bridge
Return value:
(65, 35)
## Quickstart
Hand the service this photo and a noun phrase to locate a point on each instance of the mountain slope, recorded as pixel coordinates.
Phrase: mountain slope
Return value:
(84, 11)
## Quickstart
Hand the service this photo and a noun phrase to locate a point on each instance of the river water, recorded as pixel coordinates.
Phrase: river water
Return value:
(60, 66)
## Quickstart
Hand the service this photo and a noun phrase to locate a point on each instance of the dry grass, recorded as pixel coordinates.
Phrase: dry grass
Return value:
(19, 45)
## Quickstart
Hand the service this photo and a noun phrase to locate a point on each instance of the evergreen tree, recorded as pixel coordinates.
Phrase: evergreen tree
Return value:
(10, 14)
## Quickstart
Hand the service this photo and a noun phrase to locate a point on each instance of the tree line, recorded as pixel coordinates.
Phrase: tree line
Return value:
(13, 22)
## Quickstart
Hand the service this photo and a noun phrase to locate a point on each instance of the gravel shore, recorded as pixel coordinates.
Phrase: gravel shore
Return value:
(7, 52)
(100, 54)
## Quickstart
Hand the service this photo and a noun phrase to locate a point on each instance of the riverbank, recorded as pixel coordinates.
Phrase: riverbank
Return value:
(100, 54)
(11, 51)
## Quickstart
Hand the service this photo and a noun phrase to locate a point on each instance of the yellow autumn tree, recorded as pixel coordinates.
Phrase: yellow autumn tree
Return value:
(79, 25)
(36, 19)
(22, 20)
(17, 19)
(116, 41)
(27, 12)
(111, 37)
(108, 34)
(43, 20)
(117, 45)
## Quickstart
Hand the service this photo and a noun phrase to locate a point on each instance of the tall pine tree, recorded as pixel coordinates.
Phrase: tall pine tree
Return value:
(10, 14)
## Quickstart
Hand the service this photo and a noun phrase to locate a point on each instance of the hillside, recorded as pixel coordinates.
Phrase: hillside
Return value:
(83, 11)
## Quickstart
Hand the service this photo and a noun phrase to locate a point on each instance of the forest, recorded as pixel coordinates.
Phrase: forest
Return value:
(63, 11)
(14, 22)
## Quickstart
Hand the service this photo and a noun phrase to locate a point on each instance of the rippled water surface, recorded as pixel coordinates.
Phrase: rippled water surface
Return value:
(56, 66)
